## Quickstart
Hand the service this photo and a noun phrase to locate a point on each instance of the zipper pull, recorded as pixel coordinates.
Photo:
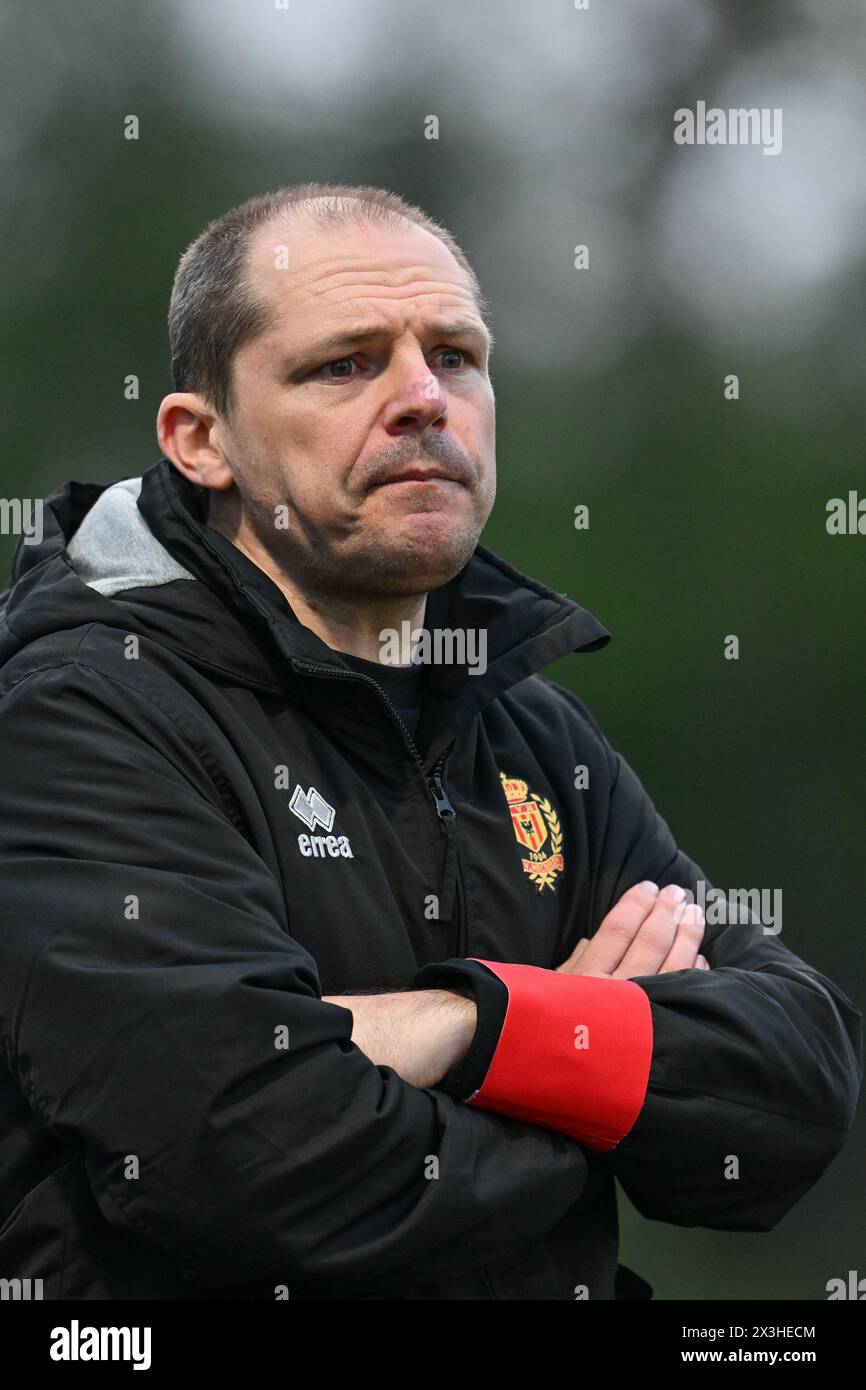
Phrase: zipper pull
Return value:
(437, 791)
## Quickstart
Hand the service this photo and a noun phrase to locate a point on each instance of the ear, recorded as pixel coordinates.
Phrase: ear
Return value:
(186, 429)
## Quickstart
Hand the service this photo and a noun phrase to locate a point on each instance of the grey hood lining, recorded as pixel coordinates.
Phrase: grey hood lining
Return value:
(114, 548)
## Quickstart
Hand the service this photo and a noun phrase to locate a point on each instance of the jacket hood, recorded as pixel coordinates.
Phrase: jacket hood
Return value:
(138, 555)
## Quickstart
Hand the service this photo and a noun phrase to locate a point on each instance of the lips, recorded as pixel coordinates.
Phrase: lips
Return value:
(413, 475)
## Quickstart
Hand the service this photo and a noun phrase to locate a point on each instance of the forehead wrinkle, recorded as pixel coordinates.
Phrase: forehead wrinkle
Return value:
(448, 301)
(333, 263)
(454, 301)
(336, 279)
(353, 280)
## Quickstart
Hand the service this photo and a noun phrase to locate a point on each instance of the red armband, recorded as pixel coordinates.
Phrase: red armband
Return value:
(574, 1053)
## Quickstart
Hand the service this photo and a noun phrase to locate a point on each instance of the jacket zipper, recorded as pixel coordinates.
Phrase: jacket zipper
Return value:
(448, 819)
(445, 812)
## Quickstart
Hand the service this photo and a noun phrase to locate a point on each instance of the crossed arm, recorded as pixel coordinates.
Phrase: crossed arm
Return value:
(422, 1034)
(763, 1060)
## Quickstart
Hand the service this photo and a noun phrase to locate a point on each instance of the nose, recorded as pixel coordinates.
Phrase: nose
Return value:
(416, 399)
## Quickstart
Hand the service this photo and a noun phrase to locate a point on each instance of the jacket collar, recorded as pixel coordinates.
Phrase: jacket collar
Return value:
(527, 625)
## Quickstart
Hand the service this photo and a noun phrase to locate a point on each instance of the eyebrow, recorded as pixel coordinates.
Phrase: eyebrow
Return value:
(364, 333)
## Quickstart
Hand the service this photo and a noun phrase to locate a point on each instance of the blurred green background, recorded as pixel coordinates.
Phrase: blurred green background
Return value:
(707, 516)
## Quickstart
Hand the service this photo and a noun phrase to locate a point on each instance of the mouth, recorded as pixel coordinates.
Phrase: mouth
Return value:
(418, 477)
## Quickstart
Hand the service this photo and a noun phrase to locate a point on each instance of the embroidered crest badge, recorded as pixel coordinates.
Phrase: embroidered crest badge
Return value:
(537, 830)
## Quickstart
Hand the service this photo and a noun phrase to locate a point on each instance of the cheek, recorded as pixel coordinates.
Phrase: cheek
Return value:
(477, 421)
(333, 438)
(307, 447)
(315, 457)
(480, 443)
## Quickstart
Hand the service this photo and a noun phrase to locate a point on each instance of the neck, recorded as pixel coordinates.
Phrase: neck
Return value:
(352, 625)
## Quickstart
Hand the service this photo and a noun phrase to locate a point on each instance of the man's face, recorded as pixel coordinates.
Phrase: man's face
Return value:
(381, 447)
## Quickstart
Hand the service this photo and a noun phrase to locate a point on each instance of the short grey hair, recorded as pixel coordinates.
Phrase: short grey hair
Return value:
(214, 310)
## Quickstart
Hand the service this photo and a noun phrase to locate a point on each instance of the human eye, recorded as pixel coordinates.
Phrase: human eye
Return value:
(337, 362)
(456, 352)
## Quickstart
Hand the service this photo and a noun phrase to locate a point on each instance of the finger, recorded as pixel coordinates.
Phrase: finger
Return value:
(571, 962)
(606, 949)
(656, 936)
(576, 965)
(702, 963)
(689, 939)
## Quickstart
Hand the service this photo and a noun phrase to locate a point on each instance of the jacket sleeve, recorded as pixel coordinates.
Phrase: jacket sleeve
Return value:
(155, 1007)
(717, 1097)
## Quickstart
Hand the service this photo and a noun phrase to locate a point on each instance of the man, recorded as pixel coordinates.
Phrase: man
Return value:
(323, 976)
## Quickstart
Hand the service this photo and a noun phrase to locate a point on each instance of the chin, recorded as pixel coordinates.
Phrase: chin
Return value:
(422, 562)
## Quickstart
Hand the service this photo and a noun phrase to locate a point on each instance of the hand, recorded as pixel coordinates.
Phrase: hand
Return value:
(420, 1033)
(645, 933)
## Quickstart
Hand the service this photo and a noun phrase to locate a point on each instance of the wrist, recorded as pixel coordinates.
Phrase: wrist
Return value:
(445, 1036)
(420, 1034)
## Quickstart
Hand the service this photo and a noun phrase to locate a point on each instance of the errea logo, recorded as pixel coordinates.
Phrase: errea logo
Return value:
(312, 808)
